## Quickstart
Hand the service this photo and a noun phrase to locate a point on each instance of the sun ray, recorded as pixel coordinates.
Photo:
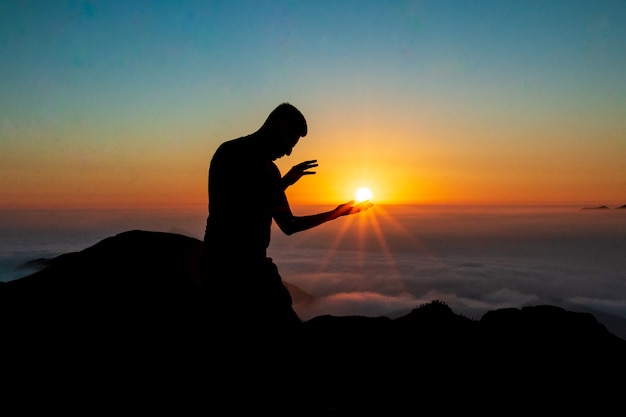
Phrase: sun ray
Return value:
(369, 233)
(335, 244)
(367, 222)
(389, 219)
(372, 220)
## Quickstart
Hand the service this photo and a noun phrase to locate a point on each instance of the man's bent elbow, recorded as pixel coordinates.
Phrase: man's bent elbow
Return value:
(288, 229)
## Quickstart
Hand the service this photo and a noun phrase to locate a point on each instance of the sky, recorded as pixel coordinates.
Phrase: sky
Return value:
(117, 104)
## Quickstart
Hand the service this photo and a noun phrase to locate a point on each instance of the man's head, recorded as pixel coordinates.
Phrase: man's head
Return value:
(290, 116)
(284, 126)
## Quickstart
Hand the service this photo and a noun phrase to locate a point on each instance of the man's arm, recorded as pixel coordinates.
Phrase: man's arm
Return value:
(290, 224)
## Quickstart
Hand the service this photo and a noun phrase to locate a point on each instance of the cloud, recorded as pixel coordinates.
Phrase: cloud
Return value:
(614, 306)
(363, 303)
(499, 261)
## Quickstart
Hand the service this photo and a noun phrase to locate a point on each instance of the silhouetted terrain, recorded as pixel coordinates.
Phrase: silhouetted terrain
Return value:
(596, 208)
(603, 207)
(125, 322)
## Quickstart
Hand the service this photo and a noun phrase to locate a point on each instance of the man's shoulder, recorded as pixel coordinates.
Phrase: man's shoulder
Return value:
(235, 145)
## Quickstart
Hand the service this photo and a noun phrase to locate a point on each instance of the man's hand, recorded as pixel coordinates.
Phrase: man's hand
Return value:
(297, 171)
(351, 208)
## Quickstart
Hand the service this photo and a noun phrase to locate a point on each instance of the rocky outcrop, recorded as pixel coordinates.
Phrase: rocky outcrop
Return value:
(126, 320)
(603, 207)
(597, 208)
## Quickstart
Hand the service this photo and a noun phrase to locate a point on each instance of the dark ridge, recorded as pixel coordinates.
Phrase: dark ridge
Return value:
(124, 323)
(596, 208)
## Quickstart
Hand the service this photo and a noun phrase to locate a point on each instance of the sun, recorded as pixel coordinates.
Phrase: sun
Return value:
(363, 194)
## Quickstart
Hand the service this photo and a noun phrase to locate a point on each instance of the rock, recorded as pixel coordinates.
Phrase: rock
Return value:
(128, 312)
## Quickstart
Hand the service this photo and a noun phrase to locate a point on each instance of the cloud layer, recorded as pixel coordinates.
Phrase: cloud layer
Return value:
(473, 260)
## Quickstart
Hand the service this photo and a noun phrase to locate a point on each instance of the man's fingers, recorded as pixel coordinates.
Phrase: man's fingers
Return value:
(308, 164)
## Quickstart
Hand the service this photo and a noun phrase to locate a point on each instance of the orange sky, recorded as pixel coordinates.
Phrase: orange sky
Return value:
(401, 164)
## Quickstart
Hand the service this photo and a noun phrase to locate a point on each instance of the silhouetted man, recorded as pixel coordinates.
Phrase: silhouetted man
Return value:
(247, 193)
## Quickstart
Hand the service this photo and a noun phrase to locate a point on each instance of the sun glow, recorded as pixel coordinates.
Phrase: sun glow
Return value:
(363, 194)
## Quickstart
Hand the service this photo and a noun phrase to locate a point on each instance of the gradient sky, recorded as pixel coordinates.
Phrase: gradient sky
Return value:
(118, 103)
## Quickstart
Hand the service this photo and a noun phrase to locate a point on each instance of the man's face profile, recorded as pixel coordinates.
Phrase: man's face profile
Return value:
(286, 139)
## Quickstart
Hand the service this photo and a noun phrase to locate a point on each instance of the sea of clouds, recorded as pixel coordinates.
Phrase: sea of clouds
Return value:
(475, 259)
(392, 259)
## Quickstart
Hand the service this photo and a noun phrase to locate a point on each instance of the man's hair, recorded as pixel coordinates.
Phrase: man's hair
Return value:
(287, 113)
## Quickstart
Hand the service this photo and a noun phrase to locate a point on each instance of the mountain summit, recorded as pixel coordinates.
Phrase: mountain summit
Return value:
(130, 312)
